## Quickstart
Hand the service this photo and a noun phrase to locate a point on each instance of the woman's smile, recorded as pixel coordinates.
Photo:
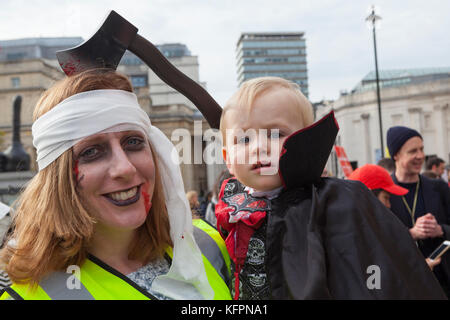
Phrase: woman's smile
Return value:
(125, 197)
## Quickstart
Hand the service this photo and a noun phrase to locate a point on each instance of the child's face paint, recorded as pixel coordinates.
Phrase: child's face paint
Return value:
(117, 177)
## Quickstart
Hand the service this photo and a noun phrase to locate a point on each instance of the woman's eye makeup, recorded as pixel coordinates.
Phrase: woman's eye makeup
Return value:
(134, 142)
(90, 153)
(95, 150)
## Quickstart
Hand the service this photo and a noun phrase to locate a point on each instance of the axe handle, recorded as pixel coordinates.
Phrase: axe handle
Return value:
(165, 70)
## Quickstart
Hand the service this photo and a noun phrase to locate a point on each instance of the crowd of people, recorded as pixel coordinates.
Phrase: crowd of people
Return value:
(108, 201)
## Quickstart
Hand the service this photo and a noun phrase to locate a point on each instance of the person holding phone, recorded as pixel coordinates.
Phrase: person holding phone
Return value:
(378, 180)
(425, 209)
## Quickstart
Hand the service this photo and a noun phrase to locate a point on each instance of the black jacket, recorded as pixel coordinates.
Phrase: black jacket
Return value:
(436, 196)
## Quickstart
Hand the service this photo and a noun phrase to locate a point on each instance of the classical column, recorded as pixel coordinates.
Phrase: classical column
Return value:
(415, 118)
(441, 131)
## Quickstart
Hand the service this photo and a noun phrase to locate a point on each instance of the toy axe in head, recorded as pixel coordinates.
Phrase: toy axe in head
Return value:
(106, 48)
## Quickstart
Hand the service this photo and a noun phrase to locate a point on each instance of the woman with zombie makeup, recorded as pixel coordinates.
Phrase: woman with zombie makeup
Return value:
(106, 213)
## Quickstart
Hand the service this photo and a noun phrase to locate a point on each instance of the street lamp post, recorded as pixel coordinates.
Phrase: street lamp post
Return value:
(373, 18)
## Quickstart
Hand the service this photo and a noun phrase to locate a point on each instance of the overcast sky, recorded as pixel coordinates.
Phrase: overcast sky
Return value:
(413, 33)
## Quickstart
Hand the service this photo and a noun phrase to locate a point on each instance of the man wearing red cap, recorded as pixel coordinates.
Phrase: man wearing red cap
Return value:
(425, 209)
(379, 181)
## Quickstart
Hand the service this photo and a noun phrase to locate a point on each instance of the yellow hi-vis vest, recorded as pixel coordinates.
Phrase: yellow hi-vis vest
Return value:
(99, 281)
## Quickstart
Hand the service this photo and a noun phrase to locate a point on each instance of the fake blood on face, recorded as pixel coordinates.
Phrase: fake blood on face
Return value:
(147, 202)
(75, 170)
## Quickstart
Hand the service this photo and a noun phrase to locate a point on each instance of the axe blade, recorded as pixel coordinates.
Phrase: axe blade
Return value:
(104, 49)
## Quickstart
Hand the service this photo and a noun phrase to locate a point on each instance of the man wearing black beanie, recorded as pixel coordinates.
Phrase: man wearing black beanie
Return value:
(425, 209)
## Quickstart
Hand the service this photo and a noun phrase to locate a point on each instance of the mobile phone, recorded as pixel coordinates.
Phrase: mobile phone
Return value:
(440, 250)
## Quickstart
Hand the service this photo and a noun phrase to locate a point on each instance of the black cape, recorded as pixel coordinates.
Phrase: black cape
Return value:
(331, 238)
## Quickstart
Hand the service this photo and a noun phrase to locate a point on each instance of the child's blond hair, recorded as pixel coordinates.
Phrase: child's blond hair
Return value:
(252, 89)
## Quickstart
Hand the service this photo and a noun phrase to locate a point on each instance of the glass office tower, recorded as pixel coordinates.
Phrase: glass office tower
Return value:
(273, 54)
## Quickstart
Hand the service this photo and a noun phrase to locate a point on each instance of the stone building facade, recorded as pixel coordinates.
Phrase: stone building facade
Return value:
(419, 99)
(28, 78)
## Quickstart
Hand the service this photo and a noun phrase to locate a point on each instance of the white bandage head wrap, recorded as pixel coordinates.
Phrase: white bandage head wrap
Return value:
(92, 112)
